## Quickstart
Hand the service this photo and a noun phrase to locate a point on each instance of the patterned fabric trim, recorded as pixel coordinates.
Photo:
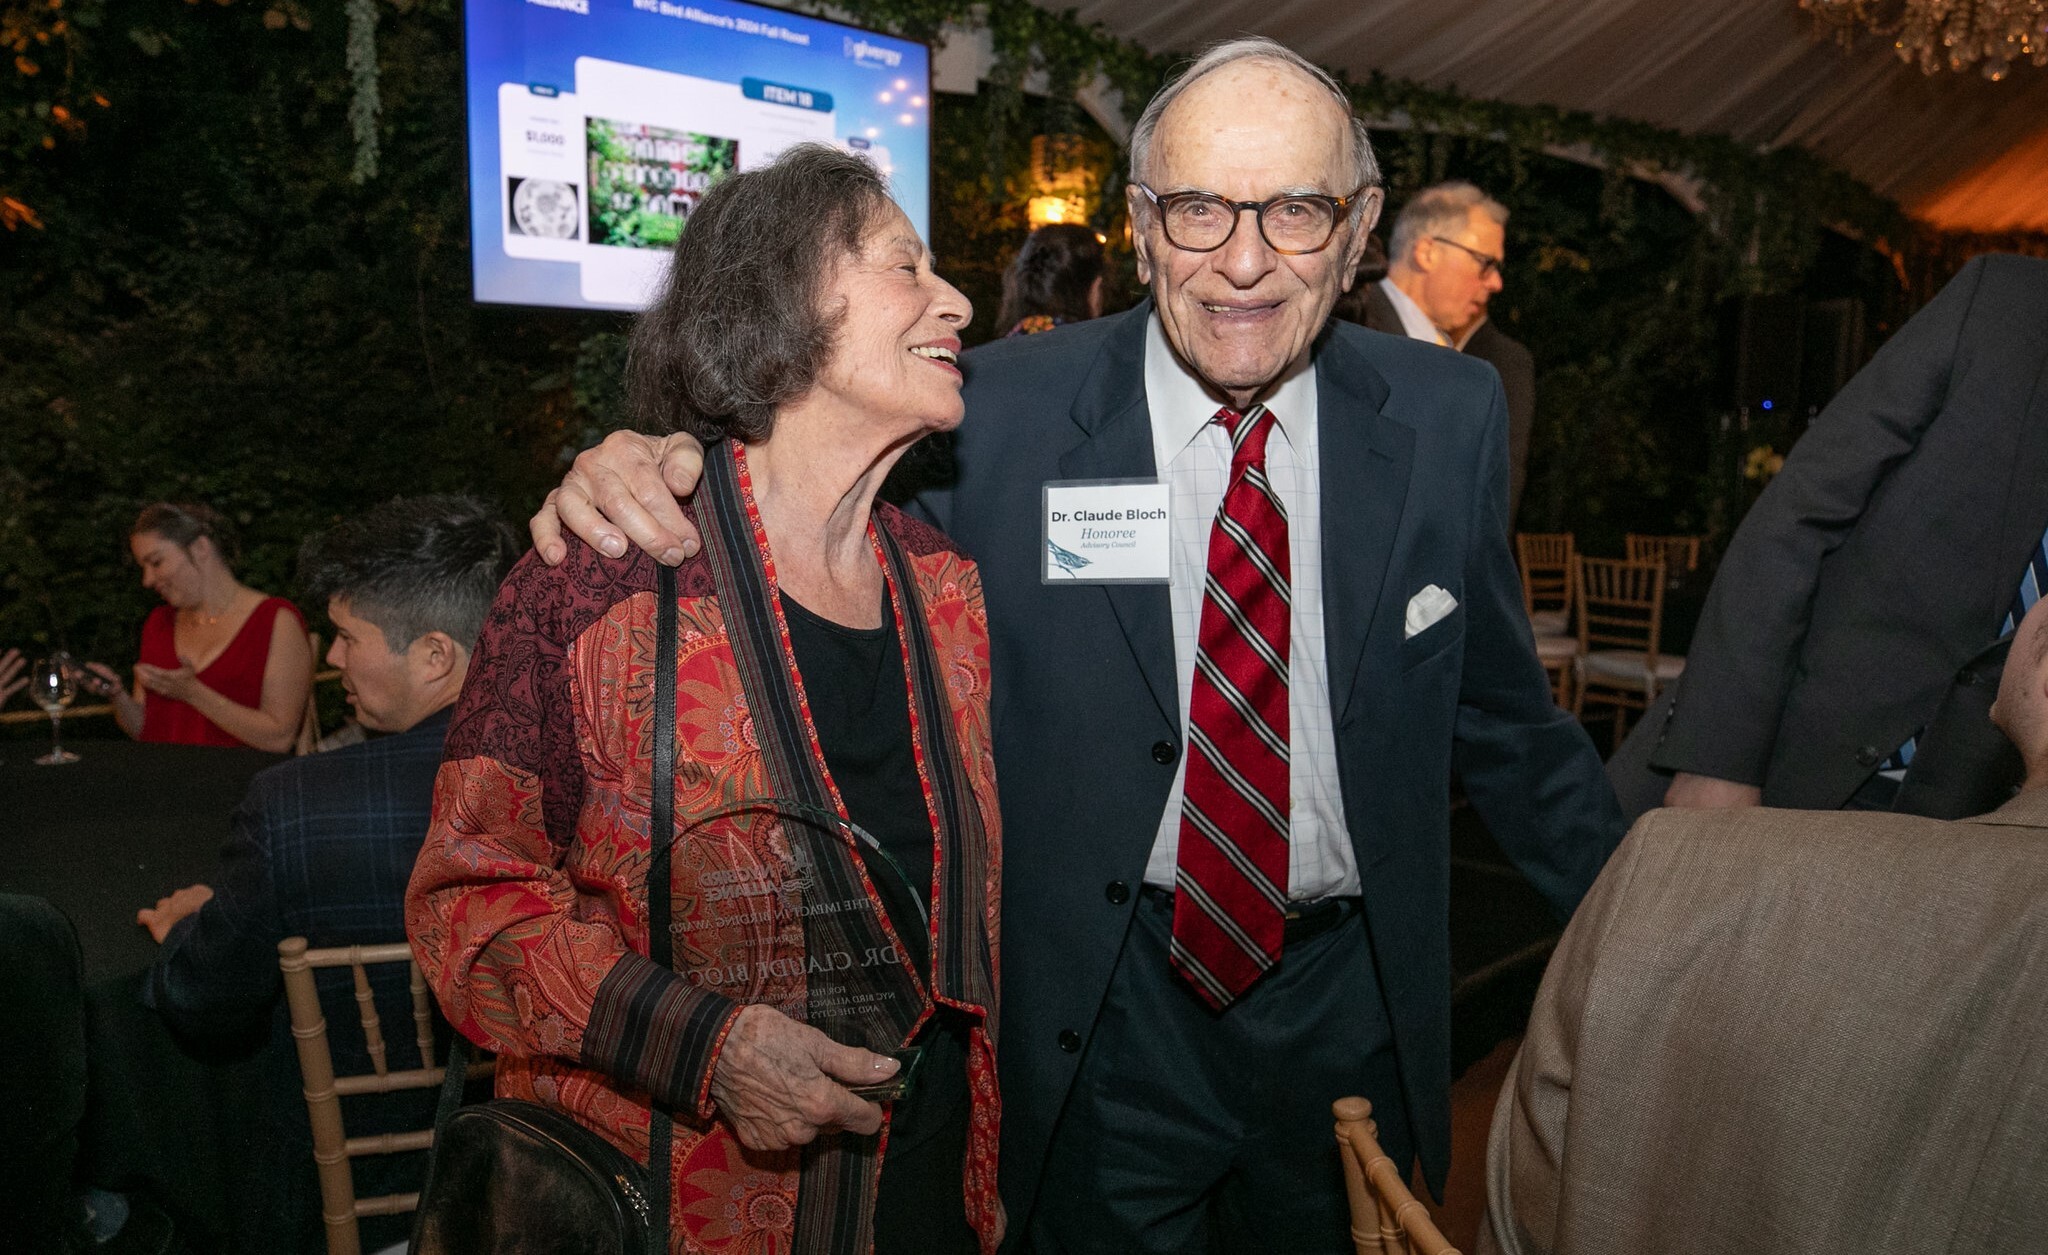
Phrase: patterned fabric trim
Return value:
(918, 538)
(651, 1029)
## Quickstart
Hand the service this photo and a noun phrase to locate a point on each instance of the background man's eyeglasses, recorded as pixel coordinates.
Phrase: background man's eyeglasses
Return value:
(1488, 266)
(1202, 222)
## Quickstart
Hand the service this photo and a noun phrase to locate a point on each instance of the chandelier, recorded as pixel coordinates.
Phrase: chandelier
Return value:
(1944, 34)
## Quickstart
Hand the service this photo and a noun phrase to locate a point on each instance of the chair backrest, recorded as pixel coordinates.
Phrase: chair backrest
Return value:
(1677, 553)
(1385, 1218)
(309, 723)
(332, 1146)
(1546, 562)
(1621, 604)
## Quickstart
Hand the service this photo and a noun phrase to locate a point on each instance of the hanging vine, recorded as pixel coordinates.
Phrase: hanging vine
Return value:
(364, 103)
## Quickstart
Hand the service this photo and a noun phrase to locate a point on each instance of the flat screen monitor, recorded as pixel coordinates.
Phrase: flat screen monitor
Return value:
(595, 127)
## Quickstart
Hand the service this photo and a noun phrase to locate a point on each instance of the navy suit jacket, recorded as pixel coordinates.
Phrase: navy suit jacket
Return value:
(1086, 703)
(322, 847)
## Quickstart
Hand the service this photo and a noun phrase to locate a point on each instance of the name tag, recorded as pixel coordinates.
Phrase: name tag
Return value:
(1106, 531)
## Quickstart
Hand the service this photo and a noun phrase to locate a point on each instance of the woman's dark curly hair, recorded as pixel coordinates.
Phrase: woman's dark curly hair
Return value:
(740, 325)
(1051, 275)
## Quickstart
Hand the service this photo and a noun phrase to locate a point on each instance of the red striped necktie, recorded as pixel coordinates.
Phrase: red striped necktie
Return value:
(1230, 898)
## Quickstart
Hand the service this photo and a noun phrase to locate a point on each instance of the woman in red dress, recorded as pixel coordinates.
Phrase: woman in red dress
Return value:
(221, 664)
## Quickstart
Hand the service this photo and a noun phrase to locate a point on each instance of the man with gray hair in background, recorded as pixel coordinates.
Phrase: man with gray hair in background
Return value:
(1443, 266)
(1225, 734)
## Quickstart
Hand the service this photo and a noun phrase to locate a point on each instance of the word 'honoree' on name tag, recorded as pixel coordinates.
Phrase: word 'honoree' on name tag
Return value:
(1106, 531)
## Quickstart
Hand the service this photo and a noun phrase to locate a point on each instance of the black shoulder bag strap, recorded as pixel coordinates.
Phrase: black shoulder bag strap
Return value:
(661, 829)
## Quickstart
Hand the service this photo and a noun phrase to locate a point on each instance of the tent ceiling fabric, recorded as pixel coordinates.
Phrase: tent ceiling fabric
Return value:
(1956, 150)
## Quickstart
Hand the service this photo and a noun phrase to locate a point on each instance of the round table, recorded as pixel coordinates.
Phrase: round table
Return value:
(110, 834)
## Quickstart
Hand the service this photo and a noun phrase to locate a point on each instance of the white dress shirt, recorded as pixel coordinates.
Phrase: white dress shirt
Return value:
(1413, 320)
(1193, 457)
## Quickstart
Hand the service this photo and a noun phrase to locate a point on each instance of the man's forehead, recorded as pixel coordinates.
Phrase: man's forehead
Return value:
(1259, 126)
(1249, 159)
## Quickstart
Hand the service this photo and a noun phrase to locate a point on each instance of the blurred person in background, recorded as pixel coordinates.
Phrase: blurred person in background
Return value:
(221, 663)
(1443, 265)
(1056, 279)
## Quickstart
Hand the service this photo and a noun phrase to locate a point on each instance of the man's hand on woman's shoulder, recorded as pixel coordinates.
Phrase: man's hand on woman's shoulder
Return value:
(622, 491)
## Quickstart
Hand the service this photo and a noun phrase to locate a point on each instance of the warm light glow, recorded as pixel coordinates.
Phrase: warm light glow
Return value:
(1944, 34)
(1046, 211)
(917, 102)
(902, 84)
(2002, 194)
(906, 119)
(886, 97)
(874, 132)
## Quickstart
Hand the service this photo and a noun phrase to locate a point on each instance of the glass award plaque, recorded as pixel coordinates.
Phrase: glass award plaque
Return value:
(771, 907)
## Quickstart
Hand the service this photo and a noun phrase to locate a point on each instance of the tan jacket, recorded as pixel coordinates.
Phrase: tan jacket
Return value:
(1790, 1031)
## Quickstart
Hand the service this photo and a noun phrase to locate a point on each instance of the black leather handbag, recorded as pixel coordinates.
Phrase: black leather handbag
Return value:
(516, 1178)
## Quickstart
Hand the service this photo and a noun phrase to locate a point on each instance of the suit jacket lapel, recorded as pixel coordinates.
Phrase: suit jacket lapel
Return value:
(1115, 430)
(1366, 453)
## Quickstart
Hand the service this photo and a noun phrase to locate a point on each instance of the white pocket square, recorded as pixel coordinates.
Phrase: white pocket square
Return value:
(1425, 608)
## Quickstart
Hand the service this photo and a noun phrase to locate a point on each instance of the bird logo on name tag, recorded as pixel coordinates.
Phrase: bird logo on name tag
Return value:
(1066, 559)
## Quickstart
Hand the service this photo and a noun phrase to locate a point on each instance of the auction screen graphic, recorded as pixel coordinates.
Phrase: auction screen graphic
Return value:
(596, 127)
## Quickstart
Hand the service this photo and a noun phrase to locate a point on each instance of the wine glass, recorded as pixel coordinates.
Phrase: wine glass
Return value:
(51, 685)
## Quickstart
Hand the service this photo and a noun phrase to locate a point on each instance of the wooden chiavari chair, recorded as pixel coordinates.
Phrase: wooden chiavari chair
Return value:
(333, 1148)
(1621, 612)
(1679, 554)
(1545, 559)
(1385, 1218)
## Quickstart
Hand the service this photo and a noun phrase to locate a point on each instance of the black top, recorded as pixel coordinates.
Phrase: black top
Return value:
(853, 679)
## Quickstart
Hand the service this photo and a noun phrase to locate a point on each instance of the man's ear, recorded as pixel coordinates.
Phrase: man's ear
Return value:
(1369, 213)
(1137, 206)
(1423, 255)
(435, 657)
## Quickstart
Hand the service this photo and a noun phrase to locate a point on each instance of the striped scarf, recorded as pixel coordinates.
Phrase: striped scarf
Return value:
(836, 1189)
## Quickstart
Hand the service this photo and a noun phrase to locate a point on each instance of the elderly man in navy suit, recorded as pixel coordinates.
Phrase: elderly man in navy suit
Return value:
(1225, 740)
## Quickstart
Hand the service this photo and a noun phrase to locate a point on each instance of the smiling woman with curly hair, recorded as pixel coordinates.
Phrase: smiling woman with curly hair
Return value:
(836, 839)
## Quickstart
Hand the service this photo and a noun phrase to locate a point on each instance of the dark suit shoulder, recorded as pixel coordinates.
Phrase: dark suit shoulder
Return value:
(340, 773)
(1380, 314)
(1414, 366)
(2005, 283)
(1503, 350)
(1076, 342)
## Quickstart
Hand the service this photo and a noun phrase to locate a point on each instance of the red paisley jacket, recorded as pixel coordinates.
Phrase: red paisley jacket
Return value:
(527, 906)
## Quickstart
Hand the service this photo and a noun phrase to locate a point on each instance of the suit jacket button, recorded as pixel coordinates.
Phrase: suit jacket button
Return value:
(1070, 1041)
(1163, 753)
(1869, 756)
(1117, 892)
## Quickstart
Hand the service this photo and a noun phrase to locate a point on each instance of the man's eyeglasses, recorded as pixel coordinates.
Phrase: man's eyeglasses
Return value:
(1202, 222)
(1488, 266)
